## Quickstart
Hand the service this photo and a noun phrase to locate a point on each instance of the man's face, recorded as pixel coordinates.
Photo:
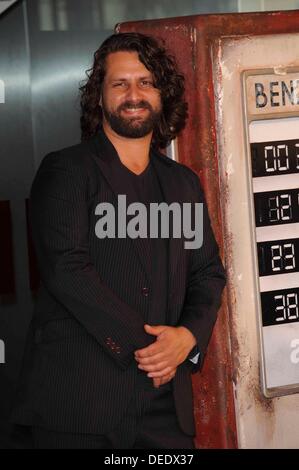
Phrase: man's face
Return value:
(131, 104)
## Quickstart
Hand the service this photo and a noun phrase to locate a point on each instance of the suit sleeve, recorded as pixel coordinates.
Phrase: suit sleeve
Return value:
(204, 287)
(60, 226)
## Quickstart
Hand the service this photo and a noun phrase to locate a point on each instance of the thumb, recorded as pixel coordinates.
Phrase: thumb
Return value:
(154, 330)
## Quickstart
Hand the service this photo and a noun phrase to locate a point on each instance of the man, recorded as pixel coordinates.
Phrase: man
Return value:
(120, 323)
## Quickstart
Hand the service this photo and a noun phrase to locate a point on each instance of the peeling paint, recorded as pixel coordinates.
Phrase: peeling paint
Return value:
(180, 27)
(267, 404)
(230, 166)
(280, 70)
(193, 35)
(193, 38)
(225, 72)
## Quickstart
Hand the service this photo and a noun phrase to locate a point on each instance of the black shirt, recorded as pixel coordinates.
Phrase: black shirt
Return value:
(147, 190)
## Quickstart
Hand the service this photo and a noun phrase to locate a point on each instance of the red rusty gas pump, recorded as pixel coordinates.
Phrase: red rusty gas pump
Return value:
(242, 139)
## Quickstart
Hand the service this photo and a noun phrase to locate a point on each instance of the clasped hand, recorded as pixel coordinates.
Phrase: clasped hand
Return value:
(161, 358)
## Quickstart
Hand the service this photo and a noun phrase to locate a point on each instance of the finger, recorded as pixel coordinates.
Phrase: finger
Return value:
(157, 383)
(170, 372)
(153, 367)
(154, 330)
(163, 380)
(153, 360)
(149, 351)
(166, 378)
(160, 373)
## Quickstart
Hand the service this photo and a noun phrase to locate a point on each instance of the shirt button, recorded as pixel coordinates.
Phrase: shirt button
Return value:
(145, 291)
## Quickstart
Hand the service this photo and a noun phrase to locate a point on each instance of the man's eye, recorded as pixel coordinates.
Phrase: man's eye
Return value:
(119, 84)
(146, 83)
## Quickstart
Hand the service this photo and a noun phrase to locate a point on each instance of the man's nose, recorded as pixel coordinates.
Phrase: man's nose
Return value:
(134, 92)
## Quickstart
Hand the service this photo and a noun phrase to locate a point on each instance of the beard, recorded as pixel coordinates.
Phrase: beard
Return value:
(132, 127)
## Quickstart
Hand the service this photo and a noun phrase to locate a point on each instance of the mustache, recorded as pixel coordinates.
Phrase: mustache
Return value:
(133, 105)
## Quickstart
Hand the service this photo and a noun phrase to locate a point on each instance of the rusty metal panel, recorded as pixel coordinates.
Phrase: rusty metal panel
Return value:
(192, 40)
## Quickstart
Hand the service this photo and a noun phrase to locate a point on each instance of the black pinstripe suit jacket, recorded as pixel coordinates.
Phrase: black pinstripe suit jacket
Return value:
(79, 370)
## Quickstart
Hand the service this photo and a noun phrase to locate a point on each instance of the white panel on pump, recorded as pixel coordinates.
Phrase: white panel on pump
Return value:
(274, 160)
(257, 108)
(271, 109)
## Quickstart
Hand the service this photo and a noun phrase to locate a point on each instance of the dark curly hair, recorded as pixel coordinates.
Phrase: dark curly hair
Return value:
(167, 79)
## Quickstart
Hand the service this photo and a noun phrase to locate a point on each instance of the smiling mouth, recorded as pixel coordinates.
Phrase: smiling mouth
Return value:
(134, 110)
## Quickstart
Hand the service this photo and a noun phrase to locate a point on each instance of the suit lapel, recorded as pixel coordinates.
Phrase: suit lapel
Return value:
(170, 189)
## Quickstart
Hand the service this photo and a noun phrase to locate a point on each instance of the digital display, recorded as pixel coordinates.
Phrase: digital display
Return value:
(275, 158)
(280, 306)
(276, 207)
(279, 256)
(275, 172)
